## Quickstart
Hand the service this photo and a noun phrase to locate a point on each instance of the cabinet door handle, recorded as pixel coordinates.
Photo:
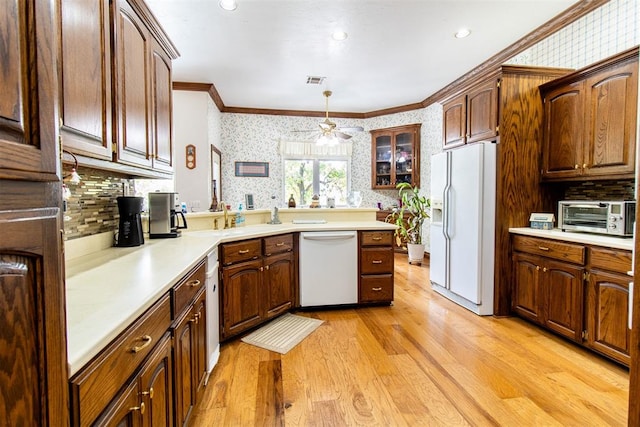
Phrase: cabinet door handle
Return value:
(376, 289)
(243, 251)
(266, 267)
(148, 393)
(146, 342)
(543, 248)
(544, 270)
(537, 268)
(584, 166)
(193, 283)
(576, 166)
(138, 408)
(280, 244)
(376, 261)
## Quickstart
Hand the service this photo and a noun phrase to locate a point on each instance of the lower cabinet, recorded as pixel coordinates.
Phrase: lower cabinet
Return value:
(375, 267)
(549, 293)
(256, 284)
(153, 374)
(147, 400)
(190, 341)
(577, 291)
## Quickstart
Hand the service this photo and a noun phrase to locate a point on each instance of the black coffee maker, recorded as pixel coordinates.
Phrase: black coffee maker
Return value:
(130, 229)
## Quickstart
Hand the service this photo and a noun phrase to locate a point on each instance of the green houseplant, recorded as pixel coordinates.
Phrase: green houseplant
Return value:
(409, 218)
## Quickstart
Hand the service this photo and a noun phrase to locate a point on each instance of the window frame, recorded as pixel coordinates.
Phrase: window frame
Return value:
(316, 159)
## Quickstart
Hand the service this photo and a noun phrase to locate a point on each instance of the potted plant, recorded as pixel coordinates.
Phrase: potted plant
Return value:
(409, 217)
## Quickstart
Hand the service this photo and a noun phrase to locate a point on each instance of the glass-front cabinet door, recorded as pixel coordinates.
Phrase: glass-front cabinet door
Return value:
(395, 156)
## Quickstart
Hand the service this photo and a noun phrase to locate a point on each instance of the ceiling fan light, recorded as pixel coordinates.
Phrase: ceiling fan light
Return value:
(228, 4)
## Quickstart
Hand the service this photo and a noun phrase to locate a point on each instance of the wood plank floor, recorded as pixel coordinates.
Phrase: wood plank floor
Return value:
(422, 361)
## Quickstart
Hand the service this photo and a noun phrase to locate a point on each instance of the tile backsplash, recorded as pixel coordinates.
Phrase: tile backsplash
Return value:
(622, 189)
(91, 208)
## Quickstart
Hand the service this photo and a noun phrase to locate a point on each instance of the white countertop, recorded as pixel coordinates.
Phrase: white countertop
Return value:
(107, 290)
(577, 237)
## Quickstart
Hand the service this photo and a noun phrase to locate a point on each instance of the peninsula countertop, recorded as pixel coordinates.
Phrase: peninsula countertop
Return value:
(108, 289)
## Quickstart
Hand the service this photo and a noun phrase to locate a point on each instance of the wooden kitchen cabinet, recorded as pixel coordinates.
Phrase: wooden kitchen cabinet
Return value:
(34, 382)
(548, 289)
(607, 303)
(85, 78)
(580, 292)
(97, 384)
(375, 267)
(147, 400)
(395, 156)
(471, 116)
(258, 282)
(279, 279)
(590, 121)
(28, 113)
(142, 82)
(189, 341)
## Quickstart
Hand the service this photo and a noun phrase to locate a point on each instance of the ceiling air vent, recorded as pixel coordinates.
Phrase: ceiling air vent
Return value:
(315, 80)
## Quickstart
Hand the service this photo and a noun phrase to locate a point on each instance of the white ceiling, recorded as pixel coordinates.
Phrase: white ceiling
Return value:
(398, 52)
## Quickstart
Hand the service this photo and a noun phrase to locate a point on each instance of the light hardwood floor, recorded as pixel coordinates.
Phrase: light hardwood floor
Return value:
(422, 361)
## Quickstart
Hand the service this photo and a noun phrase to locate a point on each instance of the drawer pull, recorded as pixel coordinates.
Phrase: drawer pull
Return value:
(193, 283)
(146, 342)
(543, 248)
(138, 408)
(376, 261)
(377, 239)
(243, 251)
(280, 244)
(148, 393)
(376, 289)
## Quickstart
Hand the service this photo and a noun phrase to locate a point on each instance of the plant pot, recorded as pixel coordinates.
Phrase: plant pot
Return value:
(416, 253)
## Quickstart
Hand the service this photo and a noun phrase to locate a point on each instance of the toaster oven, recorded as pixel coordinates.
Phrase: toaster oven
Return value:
(614, 217)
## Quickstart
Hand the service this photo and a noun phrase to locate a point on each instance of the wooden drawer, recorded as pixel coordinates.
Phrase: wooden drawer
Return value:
(550, 248)
(241, 251)
(376, 288)
(376, 260)
(617, 260)
(97, 383)
(182, 293)
(278, 244)
(377, 238)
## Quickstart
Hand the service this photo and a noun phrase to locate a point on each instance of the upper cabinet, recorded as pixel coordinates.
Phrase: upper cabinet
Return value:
(115, 91)
(471, 116)
(590, 121)
(395, 154)
(85, 94)
(28, 117)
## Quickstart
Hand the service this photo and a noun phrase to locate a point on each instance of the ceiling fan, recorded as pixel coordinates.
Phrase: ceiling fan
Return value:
(330, 133)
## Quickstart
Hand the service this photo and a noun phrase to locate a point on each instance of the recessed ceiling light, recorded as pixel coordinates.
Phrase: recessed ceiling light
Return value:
(339, 35)
(462, 33)
(228, 4)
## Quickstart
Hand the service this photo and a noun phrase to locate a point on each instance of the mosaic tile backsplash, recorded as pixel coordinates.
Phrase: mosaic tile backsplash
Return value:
(92, 208)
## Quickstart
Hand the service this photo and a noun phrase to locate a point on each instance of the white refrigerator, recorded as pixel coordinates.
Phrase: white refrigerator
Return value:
(463, 200)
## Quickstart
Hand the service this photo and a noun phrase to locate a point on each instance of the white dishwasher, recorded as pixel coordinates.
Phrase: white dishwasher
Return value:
(213, 328)
(328, 268)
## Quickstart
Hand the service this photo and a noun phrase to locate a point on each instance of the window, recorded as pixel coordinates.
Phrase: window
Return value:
(326, 177)
(313, 169)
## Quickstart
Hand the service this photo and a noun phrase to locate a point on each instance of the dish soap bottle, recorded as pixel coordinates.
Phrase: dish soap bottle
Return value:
(239, 216)
(292, 201)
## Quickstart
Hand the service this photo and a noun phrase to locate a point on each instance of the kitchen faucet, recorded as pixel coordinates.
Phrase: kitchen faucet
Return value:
(225, 213)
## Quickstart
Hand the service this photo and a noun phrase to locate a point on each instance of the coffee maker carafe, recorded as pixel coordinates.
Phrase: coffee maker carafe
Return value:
(164, 214)
(130, 226)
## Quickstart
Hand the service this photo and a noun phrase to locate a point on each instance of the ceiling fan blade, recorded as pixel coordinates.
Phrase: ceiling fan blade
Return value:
(341, 135)
(351, 129)
(303, 130)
